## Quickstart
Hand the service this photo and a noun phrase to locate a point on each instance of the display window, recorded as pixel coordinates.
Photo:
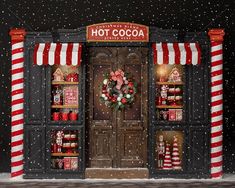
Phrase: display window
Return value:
(169, 150)
(169, 92)
(65, 150)
(65, 93)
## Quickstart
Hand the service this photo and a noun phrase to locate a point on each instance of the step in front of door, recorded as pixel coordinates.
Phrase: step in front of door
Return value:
(117, 173)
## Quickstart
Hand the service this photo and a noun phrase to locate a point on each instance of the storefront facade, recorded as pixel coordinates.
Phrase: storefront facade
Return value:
(164, 120)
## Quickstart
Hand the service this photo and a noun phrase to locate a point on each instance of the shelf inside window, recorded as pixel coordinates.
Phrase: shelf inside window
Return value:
(65, 93)
(170, 83)
(64, 154)
(169, 93)
(64, 106)
(64, 83)
(169, 106)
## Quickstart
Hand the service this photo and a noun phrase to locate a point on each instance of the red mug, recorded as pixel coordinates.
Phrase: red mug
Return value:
(64, 116)
(158, 101)
(56, 116)
(73, 116)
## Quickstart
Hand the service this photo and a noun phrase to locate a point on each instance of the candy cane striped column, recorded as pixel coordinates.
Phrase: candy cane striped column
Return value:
(216, 37)
(17, 100)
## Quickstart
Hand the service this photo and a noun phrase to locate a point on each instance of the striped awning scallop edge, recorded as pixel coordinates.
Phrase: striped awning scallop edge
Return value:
(57, 53)
(176, 53)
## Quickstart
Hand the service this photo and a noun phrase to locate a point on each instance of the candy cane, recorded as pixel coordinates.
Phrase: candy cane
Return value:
(216, 37)
(17, 100)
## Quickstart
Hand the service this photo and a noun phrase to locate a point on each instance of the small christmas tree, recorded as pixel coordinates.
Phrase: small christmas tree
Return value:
(167, 164)
(176, 162)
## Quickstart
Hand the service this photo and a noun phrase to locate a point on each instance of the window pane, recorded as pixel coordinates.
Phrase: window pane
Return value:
(64, 93)
(169, 150)
(169, 92)
(64, 149)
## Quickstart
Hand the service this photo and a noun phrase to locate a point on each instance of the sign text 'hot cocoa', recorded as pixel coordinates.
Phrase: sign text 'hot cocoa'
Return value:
(117, 32)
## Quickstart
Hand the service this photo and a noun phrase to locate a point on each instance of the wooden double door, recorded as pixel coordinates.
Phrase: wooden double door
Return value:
(117, 138)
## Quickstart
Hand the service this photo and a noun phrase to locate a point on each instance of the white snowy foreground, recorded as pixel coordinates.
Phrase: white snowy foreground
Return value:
(5, 177)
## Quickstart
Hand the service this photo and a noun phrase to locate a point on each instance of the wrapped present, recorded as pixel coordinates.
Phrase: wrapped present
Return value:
(67, 163)
(172, 115)
(178, 114)
(74, 163)
(70, 95)
(72, 77)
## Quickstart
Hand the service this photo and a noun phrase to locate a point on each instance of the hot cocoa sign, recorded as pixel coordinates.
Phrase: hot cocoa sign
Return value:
(117, 32)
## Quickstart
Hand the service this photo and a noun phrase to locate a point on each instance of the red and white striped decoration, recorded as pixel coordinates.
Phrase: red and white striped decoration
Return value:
(216, 36)
(176, 53)
(57, 53)
(176, 162)
(17, 100)
(167, 164)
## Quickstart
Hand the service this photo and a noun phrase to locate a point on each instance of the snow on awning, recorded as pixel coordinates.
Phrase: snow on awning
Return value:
(176, 53)
(57, 53)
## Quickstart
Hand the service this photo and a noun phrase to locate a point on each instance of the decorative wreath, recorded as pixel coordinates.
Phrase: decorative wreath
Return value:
(118, 89)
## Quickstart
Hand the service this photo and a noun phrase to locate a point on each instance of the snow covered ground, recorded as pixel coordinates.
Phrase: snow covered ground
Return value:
(5, 177)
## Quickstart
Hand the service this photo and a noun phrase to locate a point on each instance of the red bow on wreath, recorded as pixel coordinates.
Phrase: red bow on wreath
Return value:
(118, 76)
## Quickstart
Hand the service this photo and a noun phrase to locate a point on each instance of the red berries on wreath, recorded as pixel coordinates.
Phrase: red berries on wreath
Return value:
(118, 89)
(123, 100)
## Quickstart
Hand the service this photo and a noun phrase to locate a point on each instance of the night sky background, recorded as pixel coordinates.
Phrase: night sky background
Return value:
(48, 15)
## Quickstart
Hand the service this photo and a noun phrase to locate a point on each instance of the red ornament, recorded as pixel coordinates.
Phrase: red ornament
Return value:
(123, 100)
(114, 99)
(130, 84)
(131, 91)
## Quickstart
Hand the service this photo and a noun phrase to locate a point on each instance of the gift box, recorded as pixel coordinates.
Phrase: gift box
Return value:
(67, 163)
(178, 114)
(74, 163)
(172, 115)
(72, 77)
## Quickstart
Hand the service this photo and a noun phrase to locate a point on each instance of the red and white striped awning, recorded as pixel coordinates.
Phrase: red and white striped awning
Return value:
(57, 53)
(176, 53)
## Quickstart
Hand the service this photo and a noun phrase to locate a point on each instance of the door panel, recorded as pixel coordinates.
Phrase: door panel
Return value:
(101, 150)
(34, 149)
(101, 118)
(117, 138)
(100, 111)
(34, 89)
(132, 126)
(134, 113)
